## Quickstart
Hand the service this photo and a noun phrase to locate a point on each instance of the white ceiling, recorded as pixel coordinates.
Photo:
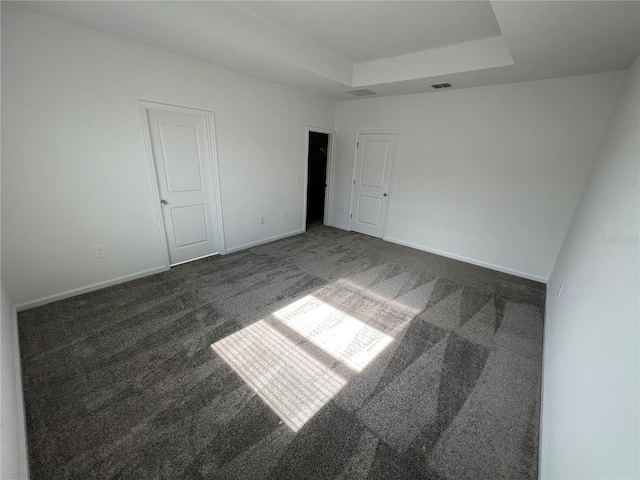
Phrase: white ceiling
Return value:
(390, 47)
(361, 32)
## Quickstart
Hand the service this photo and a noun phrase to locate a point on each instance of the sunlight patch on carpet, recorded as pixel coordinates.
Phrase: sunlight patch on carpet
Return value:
(293, 382)
(289, 380)
(383, 299)
(347, 339)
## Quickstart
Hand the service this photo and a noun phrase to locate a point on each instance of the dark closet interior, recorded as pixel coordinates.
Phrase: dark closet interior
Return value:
(317, 176)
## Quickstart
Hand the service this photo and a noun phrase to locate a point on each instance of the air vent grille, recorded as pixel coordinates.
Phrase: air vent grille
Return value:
(362, 92)
(441, 85)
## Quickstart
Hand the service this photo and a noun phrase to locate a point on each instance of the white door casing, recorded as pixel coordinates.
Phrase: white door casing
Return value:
(183, 152)
(375, 153)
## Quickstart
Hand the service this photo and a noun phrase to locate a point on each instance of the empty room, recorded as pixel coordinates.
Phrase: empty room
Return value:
(277, 240)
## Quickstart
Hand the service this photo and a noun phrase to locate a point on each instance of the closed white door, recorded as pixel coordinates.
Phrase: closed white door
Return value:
(372, 178)
(181, 147)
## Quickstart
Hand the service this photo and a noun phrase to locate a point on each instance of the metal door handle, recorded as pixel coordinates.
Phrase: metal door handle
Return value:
(164, 202)
(384, 194)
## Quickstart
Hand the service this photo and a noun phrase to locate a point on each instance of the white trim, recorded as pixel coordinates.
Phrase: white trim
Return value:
(472, 261)
(263, 241)
(391, 180)
(328, 194)
(153, 177)
(23, 447)
(209, 117)
(305, 181)
(89, 288)
(542, 431)
(215, 181)
(353, 182)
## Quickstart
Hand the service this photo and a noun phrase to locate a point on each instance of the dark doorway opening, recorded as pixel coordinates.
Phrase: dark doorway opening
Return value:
(316, 177)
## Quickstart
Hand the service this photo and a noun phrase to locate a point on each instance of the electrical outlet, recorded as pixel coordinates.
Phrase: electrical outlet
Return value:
(284, 215)
(442, 230)
(98, 250)
(261, 220)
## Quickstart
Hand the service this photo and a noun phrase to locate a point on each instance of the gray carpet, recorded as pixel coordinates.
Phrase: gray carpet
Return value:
(328, 355)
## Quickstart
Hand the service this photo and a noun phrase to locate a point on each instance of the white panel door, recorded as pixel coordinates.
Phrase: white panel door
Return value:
(183, 160)
(372, 177)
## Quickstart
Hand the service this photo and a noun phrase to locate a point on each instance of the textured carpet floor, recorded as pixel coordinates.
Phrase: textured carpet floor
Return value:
(325, 355)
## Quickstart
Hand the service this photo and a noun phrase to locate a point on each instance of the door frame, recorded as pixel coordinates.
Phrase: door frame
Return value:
(143, 106)
(385, 131)
(328, 189)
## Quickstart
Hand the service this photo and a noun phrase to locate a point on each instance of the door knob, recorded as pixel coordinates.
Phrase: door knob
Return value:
(384, 194)
(164, 202)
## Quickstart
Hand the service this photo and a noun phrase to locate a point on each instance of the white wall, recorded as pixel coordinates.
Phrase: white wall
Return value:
(501, 167)
(590, 408)
(74, 167)
(13, 447)
(13, 440)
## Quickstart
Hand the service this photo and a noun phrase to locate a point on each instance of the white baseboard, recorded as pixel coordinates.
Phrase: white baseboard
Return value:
(88, 288)
(263, 241)
(542, 431)
(472, 261)
(23, 448)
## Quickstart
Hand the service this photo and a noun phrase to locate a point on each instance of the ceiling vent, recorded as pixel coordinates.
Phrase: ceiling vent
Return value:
(362, 92)
(441, 85)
